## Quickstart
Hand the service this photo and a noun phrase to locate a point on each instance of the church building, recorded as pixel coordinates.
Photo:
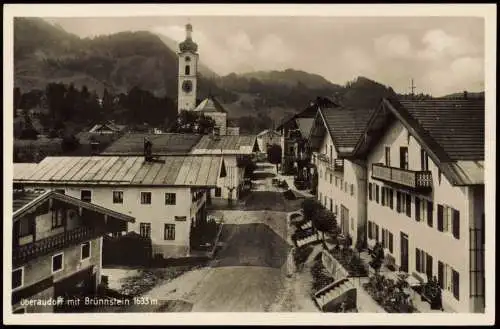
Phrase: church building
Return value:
(187, 92)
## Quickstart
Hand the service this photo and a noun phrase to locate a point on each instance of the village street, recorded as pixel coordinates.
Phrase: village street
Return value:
(248, 274)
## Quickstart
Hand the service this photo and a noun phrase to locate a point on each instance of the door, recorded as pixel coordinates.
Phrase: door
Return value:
(404, 252)
(344, 220)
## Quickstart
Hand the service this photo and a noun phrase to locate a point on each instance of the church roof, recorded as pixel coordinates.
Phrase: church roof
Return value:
(210, 104)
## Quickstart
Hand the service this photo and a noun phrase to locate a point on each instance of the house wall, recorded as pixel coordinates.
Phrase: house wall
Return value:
(40, 269)
(233, 179)
(157, 213)
(441, 246)
(268, 138)
(332, 186)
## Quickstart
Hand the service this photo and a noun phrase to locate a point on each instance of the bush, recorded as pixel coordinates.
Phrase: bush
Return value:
(389, 294)
(70, 143)
(301, 254)
(320, 278)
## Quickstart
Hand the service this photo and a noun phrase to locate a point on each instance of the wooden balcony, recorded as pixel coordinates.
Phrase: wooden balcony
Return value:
(417, 180)
(24, 253)
(334, 165)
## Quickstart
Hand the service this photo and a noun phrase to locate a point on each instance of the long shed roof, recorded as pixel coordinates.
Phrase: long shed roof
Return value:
(125, 170)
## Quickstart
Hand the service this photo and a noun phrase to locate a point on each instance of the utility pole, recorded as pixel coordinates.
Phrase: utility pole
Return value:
(412, 88)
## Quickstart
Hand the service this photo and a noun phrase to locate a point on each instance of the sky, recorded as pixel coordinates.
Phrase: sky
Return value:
(441, 54)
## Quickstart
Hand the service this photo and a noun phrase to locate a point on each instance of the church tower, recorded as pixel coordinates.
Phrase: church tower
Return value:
(188, 68)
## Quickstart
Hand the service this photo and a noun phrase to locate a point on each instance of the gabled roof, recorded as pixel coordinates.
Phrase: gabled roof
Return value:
(451, 132)
(225, 144)
(163, 144)
(210, 104)
(34, 199)
(309, 111)
(345, 125)
(268, 132)
(304, 125)
(109, 125)
(125, 170)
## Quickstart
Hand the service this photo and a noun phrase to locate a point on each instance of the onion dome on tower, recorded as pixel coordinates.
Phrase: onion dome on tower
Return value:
(188, 44)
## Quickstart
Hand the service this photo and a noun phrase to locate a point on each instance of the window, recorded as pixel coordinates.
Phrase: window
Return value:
(85, 250)
(403, 157)
(187, 70)
(424, 160)
(370, 187)
(403, 203)
(345, 187)
(336, 209)
(336, 182)
(218, 191)
(170, 198)
(169, 233)
(430, 213)
(383, 196)
(145, 229)
(387, 239)
(388, 156)
(376, 193)
(331, 178)
(117, 196)
(26, 226)
(57, 263)
(145, 197)
(423, 262)
(449, 220)
(352, 223)
(57, 218)
(376, 232)
(17, 278)
(331, 205)
(370, 230)
(86, 195)
(449, 279)
(408, 204)
(420, 209)
(352, 189)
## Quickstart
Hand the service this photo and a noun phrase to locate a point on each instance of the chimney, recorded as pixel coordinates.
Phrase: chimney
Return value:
(465, 94)
(148, 150)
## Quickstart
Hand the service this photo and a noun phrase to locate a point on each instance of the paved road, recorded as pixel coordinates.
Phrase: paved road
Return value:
(248, 273)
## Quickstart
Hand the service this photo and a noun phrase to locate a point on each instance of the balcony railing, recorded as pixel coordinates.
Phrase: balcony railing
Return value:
(403, 177)
(335, 164)
(53, 243)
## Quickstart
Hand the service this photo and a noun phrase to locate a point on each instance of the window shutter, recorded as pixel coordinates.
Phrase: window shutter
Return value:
(440, 218)
(376, 233)
(391, 199)
(428, 262)
(430, 213)
(417, 208)
(383, 196)
(456, 284)
(417, 259)
(408, 205)
(398, 201)
(390, 242)
(376, 193)
(456, 224)
(441, 274)
(370, 191)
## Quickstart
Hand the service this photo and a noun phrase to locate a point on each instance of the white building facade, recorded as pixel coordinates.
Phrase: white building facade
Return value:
(165, 198)
(428, 216)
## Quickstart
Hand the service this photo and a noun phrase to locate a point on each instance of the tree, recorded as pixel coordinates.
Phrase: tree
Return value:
(324, 221)
(192, 122)
(274, 155)
(378, 257)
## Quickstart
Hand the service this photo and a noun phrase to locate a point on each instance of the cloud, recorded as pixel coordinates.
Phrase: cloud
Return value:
(464, 73)
(439, 44)
(393, 46)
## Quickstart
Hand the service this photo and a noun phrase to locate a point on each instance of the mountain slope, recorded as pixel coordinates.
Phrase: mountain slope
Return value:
(291, 77)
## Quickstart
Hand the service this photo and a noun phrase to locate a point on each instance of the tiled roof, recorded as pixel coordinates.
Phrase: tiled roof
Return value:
(309, 111)
(240, 144)
(126, 170)
(22, 198)
(210, 104)
(457, 125)
(305, 125)
(163, 144)
(26, 200)
(346, 124)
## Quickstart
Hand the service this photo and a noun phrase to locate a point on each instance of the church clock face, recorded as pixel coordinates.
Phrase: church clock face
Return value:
(187, 86)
